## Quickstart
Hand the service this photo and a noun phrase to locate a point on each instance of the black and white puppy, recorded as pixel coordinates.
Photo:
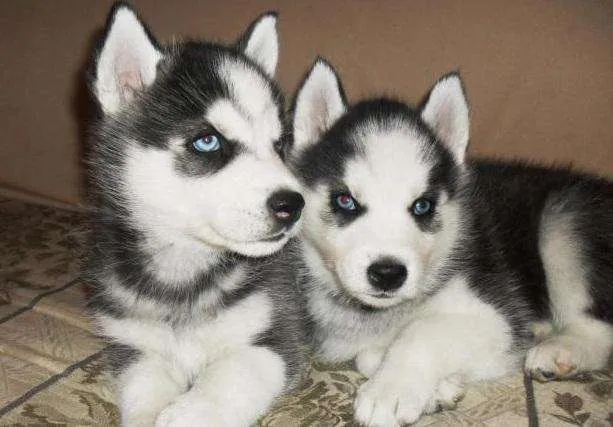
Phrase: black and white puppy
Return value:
(432, 270)
(192, 206)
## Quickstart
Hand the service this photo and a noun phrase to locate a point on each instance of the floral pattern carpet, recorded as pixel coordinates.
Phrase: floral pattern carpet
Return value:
(52, 371)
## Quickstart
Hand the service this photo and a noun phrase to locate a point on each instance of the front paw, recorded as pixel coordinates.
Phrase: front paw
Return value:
(554, 358)
(390, 403)
(187, 411)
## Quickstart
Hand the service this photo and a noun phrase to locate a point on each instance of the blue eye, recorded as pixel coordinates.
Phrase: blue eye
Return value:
(207, 143)
(422, 207)
(346, 202)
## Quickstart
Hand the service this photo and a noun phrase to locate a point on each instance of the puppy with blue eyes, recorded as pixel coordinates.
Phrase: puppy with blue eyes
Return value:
(194, 212)
(432, 270)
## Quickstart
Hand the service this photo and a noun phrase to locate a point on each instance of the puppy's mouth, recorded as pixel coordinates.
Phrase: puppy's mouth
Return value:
(272, 237)
(365, 301)
(378, 300)
(258, 246)
(268, 238)
(383, 294)
(275, 237)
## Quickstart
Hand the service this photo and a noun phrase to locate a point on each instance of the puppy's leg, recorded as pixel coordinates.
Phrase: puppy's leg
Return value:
(418, 368)
(578, 341)
(232, 391)
(368, 361)
(146, 388)
(449, 391)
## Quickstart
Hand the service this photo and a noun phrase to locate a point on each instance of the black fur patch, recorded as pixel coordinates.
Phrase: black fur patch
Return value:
(121, 243)
(290, 332)
(505, 204)
(120, 357)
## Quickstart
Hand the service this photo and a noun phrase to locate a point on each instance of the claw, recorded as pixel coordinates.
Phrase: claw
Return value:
(543, 376)
(447, 405)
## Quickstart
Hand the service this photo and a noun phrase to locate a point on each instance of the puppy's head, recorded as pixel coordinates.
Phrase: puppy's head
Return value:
(190, 138)
(381, 182)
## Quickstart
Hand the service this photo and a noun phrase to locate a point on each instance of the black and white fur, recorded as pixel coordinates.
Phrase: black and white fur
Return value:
(511, 264)
(189, 285)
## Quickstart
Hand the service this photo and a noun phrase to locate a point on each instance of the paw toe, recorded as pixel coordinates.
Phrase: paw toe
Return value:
(407, 413)
(544, 375)
(550, 360)
(450, 391)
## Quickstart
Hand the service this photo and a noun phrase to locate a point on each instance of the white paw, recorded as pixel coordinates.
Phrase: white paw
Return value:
(368, 361)
(556, 357)
(187, 411)
(449, 392)
(390, 403)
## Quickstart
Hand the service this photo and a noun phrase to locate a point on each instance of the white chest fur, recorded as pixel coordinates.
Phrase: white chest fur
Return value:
(194, 344)
(344, 332)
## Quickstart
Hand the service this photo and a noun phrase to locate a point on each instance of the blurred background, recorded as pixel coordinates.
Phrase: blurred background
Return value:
(539, 74)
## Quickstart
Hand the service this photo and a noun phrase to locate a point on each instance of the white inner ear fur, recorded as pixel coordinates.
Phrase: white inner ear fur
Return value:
(263, 44)
(127, 62)
(447, 113)
(318, 106)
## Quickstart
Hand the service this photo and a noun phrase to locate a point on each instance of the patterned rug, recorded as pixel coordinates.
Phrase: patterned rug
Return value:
(52, 372)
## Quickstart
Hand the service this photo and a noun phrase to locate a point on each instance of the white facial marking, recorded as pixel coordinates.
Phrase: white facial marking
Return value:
(252, 97)
(194, 217)
(389, 174)
(229, 121)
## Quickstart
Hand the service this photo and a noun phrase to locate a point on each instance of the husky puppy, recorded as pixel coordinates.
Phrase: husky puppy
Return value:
(192, 206)
(432, 270)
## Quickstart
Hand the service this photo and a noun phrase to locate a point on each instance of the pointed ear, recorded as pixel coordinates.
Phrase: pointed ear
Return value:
(127, 60)
(261, 42)
(446, 111)
(319, 104)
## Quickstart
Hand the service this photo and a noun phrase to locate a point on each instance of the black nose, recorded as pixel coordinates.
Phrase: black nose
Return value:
(286, 206)
(386, 275)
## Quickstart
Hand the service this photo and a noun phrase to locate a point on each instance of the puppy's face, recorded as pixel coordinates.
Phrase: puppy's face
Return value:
(199, 127)
(381, 212)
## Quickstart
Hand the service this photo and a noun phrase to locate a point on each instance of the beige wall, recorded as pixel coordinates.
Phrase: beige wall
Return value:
(539, 74)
